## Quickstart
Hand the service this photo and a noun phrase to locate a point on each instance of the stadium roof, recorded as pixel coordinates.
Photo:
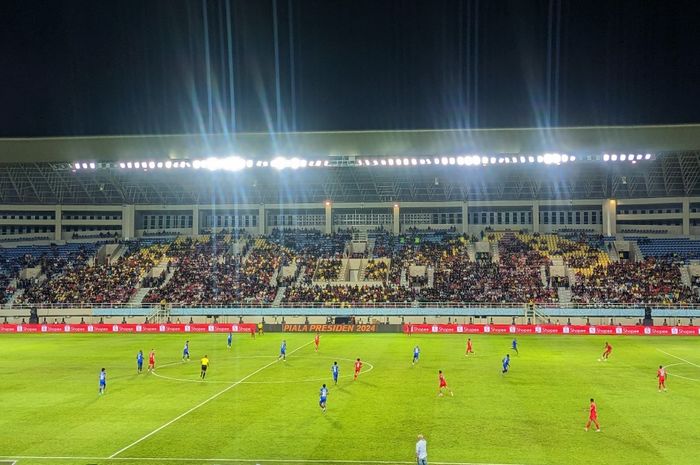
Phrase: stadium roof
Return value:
(653, 139)
(39, 171)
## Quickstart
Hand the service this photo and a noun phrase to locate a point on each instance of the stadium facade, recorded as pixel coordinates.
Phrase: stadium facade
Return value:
(615, 180)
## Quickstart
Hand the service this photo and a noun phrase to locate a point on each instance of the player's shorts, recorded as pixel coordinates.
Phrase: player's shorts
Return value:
(283, 352)
(152, 364)
(103, 384)
(185, 352)
(335, 377)
(662, 379)
(593, 417)
(204, 368)
(415, 357)
(443, 384)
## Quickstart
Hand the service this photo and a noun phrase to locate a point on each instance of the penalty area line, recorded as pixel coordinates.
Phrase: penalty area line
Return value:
(204, 402)
(679, 358)
(228, 460)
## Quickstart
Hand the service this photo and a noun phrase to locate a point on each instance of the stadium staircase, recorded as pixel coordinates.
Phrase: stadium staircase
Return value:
(564, 294)
(638, 255)
(139, 295)
(543, 275)
(685, 275)
(612, 253)
(300, 276)
(279, 296)
(471, 251)
(493, 247)
(371, 241)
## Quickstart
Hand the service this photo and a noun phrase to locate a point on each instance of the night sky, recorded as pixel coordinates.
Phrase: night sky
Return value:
(140, 67)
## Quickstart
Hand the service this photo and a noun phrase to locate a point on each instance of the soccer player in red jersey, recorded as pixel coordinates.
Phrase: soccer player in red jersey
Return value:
(661, 374)
(593, 417)
(443, 384)
(152, 360)
(606, 352)
(358, 367)
(469, 347)
(317, 339)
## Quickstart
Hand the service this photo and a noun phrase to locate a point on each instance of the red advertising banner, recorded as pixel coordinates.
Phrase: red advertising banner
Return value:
(602, 330)
(130, 328)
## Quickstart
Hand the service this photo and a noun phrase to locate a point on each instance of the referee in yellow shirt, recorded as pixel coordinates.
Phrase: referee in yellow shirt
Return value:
(205, 365)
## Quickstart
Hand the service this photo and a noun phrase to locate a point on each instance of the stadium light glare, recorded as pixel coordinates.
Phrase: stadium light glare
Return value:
(279, 163)
(390, 161)
(493, 160)
(444, 160)
(122, 165)
(326, 163)
(540, 159)
(382, 162)
(398, 162)
(564, 158)
(137, 165)
(647, 156)
(76, 166)
(613, 157)
(414, 162)
(531, 159)
(405, 161)
(522, 159)
(606, 157)
(484, 160)
(249, 163)
(375, 162)
(460, 161)
(92, 165)
(506, 160)
(623, 157)
(451, 160)
(500, 160)
(169, 164)
(427, 161)
(159, 164)
(639, 156)
(514, 159)
(572, 158)
(151, 164)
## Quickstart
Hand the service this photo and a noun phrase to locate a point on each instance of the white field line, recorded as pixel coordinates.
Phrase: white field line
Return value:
(681, 359)
(204, 402)
(226, 460)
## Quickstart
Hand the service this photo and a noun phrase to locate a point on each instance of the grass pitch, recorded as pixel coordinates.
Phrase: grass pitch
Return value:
(253, 408)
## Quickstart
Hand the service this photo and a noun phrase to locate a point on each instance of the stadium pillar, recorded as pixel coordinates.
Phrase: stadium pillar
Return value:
(535, 217)
(396, 226)
(195, 220)
(128, 220)
(609, 217)
(686, 216)
(329, 218)
(59, 223)
(262, 220)
(465, 218)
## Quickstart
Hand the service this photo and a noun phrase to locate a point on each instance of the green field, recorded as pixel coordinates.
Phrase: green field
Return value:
(254, 409)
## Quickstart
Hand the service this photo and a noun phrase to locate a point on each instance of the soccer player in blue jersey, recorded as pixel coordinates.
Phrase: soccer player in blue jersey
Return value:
(186, 352)
(323, 396)
(515, 346)
(139, 362)
(334, 370)
(416, 354)
(506, 364)
(103, 382)
(283, 351)
(229, 339)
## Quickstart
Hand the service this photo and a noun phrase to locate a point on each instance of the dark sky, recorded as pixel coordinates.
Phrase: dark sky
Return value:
(139, 66)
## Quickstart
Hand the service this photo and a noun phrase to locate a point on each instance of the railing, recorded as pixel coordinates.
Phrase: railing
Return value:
(407, 304)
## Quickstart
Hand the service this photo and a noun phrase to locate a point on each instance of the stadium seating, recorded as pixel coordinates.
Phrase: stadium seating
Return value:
(419, 266)
(681, 249)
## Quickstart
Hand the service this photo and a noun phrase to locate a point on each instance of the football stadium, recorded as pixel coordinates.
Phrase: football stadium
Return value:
(475, 296)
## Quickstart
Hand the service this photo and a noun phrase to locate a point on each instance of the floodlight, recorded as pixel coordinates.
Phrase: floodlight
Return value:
(405, 161)
(647, 156)
(606, 157)
(540, 159)
(122, 165)
(485, 160)
(128, 164)
(77, 166)
(514, 159)
(278, 163)
(375, 162)
(427, 161)
(623, 157)
(390, 161)
(249, 163)
(382, 162)
(531, 159)
(151, 164)
(451, 160)
(613, 157)
(500, 160)
(522, 159)
(326, 163)
(460, 161)
(564, 158)
(265, 164)
(639, 156)
(444, 160)
(414, 162)
(493, 160)
(572, 158)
